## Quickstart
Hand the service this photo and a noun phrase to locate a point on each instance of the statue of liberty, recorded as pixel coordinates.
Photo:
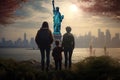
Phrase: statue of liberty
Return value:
(57, 19)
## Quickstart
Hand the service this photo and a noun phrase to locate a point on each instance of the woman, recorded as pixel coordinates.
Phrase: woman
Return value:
(44, 40)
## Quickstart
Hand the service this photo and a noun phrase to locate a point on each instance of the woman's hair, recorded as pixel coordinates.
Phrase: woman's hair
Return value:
(45, 25)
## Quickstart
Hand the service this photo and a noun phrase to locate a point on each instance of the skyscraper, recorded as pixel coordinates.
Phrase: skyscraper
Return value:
(101, 38)
(108, 38)
(25, 41)
(25, 37)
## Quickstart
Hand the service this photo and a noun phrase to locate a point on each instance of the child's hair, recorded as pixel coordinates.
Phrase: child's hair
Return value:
(56, 42)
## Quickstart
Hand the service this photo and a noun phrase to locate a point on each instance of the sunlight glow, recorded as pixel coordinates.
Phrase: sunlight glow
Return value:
(73, 8)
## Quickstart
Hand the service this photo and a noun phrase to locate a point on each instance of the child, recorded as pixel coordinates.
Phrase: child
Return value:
(57, 55)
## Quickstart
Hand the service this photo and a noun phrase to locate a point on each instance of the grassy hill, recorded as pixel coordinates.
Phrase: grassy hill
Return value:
(91, 68)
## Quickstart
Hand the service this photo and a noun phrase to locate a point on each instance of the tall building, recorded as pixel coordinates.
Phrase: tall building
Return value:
(99, 32)
(25, 37)
(101, 38)
(115, 40)
(18, 43)
(108, 38)
(108, 35)
(32, 43)
(25, 41)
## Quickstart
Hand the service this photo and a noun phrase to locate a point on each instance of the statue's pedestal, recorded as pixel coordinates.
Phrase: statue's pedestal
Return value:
(58, 38)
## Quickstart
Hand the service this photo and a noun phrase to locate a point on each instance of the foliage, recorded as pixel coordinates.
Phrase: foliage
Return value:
(98, 68)
(91, 68)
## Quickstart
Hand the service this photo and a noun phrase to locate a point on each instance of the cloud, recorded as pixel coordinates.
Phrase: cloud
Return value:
(109, 8)
(13, 9)
(32, 13)
(36, 5)
(7, 9)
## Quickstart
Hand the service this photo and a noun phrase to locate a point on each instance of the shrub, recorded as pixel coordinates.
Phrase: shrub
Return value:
(98, 68)
(91, 68)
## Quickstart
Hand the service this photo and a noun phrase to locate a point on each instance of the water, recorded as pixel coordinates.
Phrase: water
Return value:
(21, 54)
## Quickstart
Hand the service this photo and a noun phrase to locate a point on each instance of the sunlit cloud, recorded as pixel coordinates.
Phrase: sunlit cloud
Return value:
(110, 8)
(7, 9)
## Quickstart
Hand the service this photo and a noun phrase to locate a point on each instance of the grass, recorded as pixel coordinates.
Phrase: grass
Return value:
(91, 68)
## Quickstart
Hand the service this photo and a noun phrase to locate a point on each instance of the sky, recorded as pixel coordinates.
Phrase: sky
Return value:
(34, 12)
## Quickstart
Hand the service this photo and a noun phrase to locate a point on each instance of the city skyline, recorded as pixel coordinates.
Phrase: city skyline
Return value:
(94, 33)
(82, 41)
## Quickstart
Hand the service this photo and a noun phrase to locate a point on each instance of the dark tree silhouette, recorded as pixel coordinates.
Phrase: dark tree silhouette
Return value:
(102, 7)
(7, 9)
